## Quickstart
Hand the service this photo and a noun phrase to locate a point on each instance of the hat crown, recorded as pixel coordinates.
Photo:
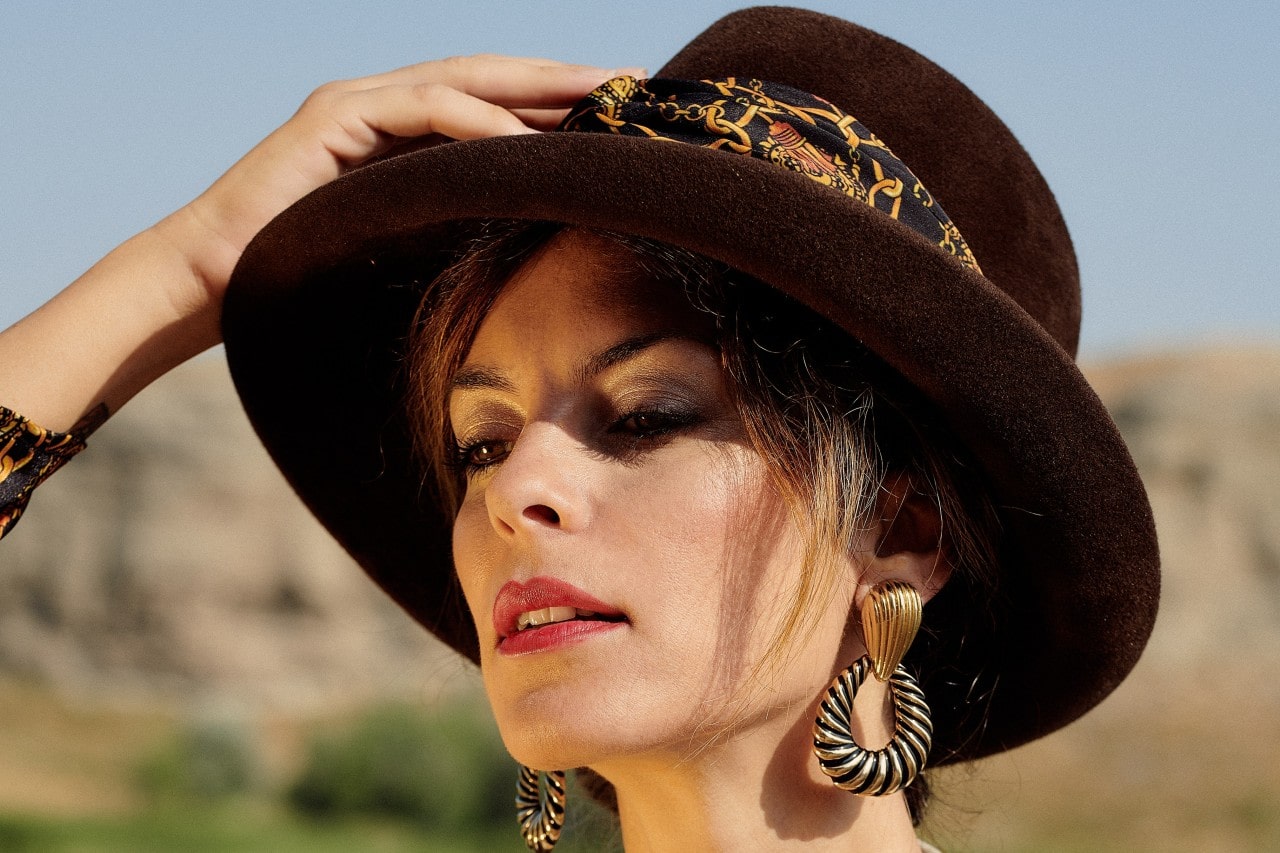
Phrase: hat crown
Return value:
(959, 148)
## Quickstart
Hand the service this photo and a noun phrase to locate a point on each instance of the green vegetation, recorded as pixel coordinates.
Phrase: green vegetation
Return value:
(239, 829)
(444, 774)
(410, 778)
(207, 760)
(445, 770)
(394, 778)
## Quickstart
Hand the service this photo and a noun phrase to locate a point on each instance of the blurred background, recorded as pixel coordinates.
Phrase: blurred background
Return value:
(187, 662)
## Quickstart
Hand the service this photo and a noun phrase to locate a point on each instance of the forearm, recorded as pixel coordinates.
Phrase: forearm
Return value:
(134, 315)
(156, 300)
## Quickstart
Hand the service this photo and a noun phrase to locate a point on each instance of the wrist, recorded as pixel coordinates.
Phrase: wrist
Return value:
(164, 302)
(200, 255)
(134, 315)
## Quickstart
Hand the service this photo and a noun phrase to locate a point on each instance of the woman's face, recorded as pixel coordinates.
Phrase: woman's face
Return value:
(623, 553)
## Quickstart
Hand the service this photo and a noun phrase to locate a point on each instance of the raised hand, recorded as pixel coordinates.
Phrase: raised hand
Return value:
(344, 124)
(156, 300)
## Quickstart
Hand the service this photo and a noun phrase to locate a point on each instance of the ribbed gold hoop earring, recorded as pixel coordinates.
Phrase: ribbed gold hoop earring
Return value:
(891, 617)
(541, 814)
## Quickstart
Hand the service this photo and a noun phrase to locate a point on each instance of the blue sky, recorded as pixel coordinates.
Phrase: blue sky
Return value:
(1155, 123)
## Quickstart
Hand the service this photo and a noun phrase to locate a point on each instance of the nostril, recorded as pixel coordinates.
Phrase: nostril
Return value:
(542, 513)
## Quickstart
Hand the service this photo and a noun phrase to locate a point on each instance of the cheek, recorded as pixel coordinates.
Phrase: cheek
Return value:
(474, 556)
(738, 556)
(713, 535)
(700, 503)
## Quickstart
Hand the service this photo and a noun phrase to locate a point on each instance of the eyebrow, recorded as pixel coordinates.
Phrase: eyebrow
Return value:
(481, 377)
(627, 349)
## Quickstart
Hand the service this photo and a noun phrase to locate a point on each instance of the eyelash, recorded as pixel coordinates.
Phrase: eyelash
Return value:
(464, 460)
(668, 420)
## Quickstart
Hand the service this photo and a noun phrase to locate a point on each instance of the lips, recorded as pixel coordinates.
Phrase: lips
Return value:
(544, 612)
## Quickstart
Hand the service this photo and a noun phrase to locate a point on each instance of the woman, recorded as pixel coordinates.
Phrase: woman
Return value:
(725, 405)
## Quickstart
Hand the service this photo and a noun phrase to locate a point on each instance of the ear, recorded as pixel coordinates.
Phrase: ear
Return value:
(908, 541)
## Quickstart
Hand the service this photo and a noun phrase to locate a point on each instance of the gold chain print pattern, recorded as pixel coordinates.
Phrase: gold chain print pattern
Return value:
(789, 128)
(30, 454)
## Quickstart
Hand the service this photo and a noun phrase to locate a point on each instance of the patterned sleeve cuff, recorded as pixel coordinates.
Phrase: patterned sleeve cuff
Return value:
(29, 454)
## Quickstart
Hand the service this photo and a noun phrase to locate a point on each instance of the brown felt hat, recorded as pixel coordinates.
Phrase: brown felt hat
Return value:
(321, 303)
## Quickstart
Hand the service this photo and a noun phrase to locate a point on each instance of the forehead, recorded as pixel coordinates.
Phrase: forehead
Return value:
(582, 286)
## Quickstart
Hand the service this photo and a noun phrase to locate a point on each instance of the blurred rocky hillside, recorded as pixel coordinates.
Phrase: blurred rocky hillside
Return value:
(1204, 429)
(1186, 754)
(171, 559)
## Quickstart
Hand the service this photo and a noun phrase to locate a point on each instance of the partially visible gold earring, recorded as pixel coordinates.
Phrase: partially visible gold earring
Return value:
(541, 815)
(891, 617)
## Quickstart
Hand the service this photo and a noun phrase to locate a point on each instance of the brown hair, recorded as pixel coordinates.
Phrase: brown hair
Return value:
(831, 421)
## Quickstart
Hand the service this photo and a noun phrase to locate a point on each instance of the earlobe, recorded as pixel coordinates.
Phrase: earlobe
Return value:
(926, 571)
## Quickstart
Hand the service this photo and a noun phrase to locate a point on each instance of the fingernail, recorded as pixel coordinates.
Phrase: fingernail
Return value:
(632, 71)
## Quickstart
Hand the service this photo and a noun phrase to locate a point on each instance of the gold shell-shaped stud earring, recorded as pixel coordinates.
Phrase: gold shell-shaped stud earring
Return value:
(890, 619)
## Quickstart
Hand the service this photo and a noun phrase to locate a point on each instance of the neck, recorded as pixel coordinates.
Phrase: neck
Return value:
(759, 790)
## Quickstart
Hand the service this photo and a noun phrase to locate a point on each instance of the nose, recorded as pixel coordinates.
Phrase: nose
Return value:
(540, 486)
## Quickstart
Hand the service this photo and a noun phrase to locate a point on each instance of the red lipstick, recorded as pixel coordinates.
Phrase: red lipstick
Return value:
(540, 593)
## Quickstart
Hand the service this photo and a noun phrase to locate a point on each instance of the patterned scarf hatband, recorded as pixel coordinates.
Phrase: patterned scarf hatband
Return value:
(777, 124)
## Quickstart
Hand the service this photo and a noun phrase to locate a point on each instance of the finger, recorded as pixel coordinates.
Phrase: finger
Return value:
(521, 85)
(455, 68)
(368, 122)
(508, 81)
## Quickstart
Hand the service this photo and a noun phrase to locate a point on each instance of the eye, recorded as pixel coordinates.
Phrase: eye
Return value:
(651, 423)
(476, 456)
(642, 423)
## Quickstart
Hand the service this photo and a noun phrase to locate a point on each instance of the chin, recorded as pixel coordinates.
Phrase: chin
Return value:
(557, 742)
(550, 727)
(558, 727)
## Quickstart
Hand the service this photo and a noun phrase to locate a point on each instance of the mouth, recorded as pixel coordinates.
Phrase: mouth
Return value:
(541, 602)
(553, 615)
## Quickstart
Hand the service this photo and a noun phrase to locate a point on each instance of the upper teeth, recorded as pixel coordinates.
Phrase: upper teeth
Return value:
(547, 615)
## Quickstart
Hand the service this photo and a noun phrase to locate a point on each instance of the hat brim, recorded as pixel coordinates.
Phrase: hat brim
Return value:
(320, 305)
